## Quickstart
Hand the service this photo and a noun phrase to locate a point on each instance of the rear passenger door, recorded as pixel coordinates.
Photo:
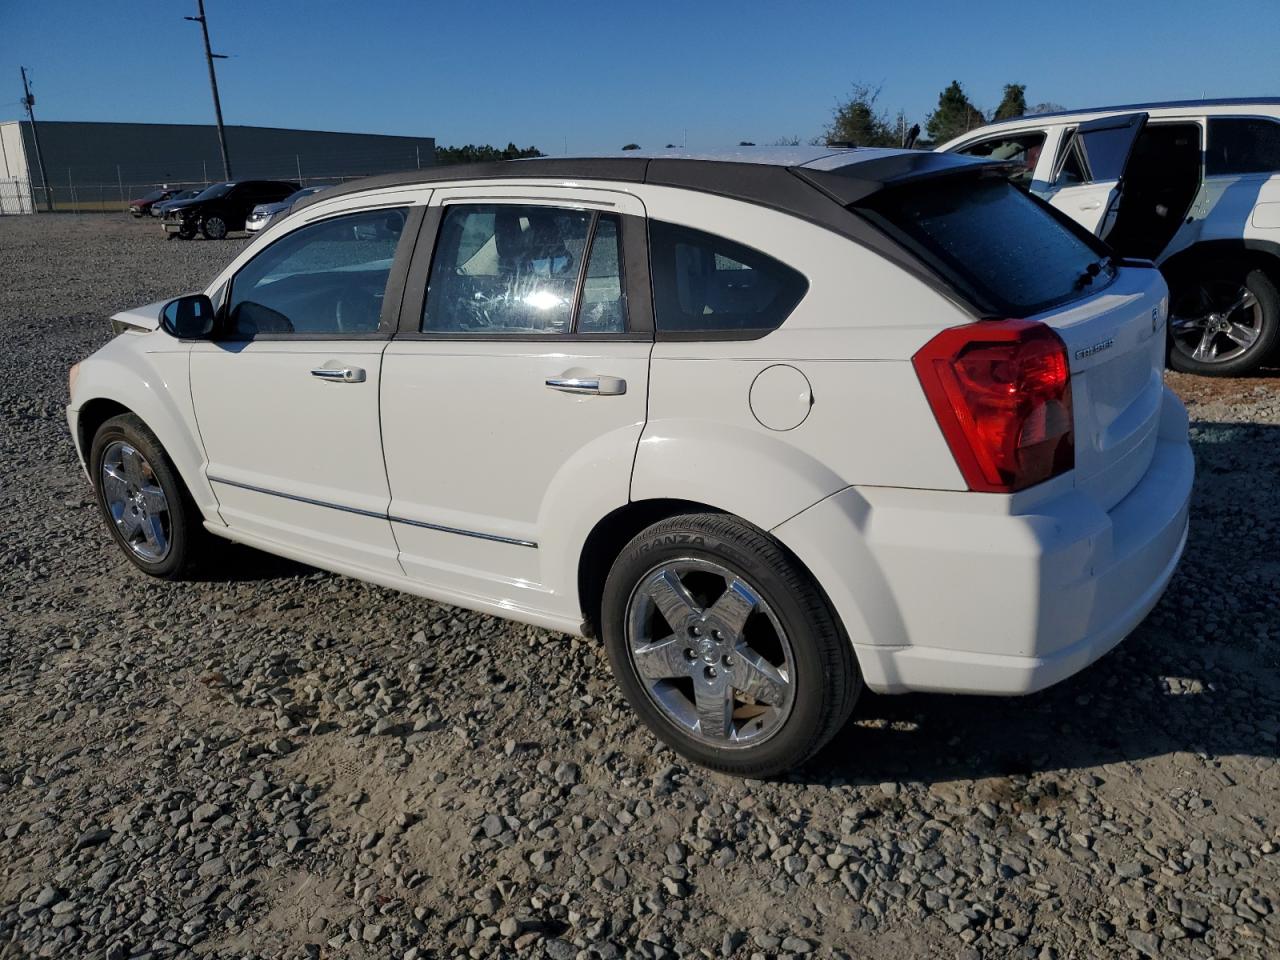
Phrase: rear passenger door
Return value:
(1090, 167)
(514, 393)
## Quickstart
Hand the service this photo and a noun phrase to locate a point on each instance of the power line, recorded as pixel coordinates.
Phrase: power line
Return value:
(209, 57)
(29, 101)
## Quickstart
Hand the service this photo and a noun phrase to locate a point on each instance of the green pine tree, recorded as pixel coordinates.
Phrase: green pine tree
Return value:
(1014, 103)
(955, 115)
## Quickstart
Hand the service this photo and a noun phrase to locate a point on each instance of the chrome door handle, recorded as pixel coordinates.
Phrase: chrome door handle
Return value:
(1091, 206)
(600, 386)
(340, 374)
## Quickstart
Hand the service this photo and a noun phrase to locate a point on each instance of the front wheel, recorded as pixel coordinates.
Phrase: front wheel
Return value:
(145, 505)
(725, 646)
(214, 228)
(1223, 321)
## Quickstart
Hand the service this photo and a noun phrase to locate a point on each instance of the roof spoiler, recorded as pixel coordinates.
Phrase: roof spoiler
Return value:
(851, 184)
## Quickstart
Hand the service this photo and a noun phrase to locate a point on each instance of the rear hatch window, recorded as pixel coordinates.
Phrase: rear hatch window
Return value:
(1008, 254)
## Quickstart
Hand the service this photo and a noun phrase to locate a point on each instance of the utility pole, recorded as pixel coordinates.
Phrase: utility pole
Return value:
(209, 57)
(29, 101)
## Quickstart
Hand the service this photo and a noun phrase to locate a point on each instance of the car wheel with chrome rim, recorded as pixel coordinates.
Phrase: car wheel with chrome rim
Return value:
(725, 647)
(1224, 321)
(142, 500)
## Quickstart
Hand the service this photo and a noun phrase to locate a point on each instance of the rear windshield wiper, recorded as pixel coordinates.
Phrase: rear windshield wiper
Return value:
(1092, 270)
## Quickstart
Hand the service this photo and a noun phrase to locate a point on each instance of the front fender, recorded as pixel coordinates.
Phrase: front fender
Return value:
(148, 373)
(759, 477)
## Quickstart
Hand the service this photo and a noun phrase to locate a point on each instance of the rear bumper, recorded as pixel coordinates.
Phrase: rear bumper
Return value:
(977, 593)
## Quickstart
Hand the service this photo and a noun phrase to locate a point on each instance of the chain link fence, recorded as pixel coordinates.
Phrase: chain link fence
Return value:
(72, 191)
(15, 196)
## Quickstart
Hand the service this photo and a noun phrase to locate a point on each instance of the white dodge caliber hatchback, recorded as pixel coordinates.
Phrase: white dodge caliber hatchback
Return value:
(774, 425)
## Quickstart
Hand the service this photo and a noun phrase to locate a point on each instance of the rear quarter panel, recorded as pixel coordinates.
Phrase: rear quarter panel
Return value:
(851, 336)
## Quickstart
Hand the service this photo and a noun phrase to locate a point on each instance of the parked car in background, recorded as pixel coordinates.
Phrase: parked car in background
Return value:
(264, 213)
(760, 421)
(1193, 185)
(142, 206)
(222, 208)
(158, 209)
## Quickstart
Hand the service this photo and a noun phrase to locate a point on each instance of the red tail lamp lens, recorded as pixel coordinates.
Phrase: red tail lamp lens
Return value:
(1001, 392)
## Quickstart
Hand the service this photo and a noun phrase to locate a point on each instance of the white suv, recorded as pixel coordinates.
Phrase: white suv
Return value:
(763, 424)
(1192, 185)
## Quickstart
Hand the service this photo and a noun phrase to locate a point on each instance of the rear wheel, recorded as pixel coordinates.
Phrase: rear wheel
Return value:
(214, 228)
(725, 646)
(1223, 321)
(145, 505)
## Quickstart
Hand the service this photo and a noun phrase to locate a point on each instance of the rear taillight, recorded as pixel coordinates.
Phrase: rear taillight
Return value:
(1001, 392)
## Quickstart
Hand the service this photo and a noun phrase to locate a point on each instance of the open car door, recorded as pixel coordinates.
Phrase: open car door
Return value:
(1090, 169)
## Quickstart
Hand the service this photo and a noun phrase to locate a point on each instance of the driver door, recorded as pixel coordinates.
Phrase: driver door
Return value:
(1090, 167)
(286, 399)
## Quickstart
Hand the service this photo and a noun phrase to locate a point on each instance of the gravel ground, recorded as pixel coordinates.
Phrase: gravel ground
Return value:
(285, 763)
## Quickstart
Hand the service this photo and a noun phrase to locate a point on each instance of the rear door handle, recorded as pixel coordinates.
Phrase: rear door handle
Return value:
(1096, 204)
(340, 374)
(600, 386)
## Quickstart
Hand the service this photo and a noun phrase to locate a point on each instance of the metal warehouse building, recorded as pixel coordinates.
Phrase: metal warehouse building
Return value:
(100, 166)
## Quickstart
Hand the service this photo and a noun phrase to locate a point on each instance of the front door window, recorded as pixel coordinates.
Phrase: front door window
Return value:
(1022, 149)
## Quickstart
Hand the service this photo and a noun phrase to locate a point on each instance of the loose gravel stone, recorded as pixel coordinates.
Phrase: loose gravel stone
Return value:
(277, 763)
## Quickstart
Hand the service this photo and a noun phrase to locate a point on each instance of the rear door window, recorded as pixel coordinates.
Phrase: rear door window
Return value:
(516, 270)
(1241, 145)
(998, 246)
(706, 286)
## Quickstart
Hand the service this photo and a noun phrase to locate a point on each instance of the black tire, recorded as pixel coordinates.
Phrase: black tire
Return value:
(824, 672)
(214, 227)
(1214, 288)
(188, 541)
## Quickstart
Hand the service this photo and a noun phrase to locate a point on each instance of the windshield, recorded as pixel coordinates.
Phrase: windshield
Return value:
(990, 239)
(155, 195)
(217, 190)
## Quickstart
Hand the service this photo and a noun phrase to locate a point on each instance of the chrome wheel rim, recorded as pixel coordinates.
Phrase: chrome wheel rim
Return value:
(136, 501)
(710, 653)
(1216, 322)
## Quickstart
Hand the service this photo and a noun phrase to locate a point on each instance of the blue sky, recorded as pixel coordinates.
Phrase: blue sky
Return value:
(594, 76)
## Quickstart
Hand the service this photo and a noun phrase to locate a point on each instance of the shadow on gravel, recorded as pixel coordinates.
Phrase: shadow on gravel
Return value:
(1201, 674)
(241, 564)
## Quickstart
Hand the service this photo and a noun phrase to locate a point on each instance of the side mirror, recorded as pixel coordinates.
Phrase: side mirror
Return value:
(188, 318)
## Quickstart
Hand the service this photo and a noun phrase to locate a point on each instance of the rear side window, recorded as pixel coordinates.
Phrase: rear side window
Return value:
(1242, 145)
(997, 245)
(707, 286)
